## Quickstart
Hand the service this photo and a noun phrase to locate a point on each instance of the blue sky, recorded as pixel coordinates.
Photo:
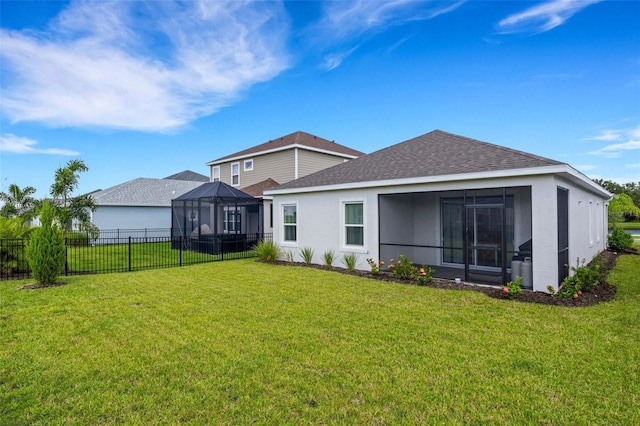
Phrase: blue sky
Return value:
(148, 89)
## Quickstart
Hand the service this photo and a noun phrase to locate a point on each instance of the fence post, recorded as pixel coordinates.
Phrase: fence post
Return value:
(180, 250)
(129, 253)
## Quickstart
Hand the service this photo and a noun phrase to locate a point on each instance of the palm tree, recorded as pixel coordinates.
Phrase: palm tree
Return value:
(68, 207)
(19, 202)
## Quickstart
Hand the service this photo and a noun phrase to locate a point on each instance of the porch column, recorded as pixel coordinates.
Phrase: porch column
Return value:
(544, 232)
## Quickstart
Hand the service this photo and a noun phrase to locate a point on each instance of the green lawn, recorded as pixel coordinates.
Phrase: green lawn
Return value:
(242, 342)
(628, 225)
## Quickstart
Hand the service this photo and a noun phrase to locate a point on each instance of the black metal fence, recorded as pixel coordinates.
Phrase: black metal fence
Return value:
(131, 250)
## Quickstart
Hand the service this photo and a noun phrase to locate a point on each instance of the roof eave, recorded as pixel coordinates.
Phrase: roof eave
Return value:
(562, 169)
(282, 148)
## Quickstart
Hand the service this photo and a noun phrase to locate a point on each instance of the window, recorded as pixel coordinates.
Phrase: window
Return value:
(271, 215)
(235, 174)
(215, 174)
(232, 221)
(248, 165)
(354, 224)
(290, 219)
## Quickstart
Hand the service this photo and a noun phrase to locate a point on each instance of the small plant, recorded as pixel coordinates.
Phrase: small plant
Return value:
(45, 250)
(587, 277)
(425, 275)
(584, 278)
(267, 251)
(619, 239)
(289, 256)
(513, 288)
(307, 255)
(404, 269)
(375, 266)
(328, 258)
(350, 260)
(570, 288)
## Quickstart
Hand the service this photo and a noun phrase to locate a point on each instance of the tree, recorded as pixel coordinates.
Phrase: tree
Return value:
(67, 206)
(19, 202)
(45, 250)
(622, 206)
(626, 204)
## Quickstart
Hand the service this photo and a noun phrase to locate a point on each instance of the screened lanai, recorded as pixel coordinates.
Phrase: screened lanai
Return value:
(216, 217)
(480, 235)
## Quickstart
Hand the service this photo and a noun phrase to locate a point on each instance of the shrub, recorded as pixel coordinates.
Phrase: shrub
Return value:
(45, 250)
(404, 269)
(328, 257)
(569, 288)
(307, 255)
(513, 288)
(584, 278)
(587, 277)
(267, 251)
(350, 260)
(619, 239)
(375, 266)
(12, 255)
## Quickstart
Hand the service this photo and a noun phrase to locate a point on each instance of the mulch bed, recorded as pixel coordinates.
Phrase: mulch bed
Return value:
(34, 286)
(601, 293)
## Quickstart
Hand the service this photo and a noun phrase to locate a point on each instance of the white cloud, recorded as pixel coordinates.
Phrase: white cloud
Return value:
(627, 140)
(333, 60)
(543, 17)
(19, 145)
(346, 22)
(606, 135)
(140, 66)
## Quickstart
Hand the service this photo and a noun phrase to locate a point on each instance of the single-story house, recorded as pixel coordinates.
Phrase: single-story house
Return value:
(142, 203)
(469, 209)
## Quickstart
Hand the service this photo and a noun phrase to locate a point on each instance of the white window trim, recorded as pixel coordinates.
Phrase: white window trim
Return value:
(236, 164)
(244, 165)
(281, 207)
(344, 247)
(225, 220)
(215, 169)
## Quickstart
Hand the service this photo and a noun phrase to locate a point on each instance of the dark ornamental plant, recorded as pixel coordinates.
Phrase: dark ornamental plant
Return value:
(45, 250)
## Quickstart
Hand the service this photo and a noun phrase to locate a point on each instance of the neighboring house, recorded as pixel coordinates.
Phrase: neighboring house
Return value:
(278, 161)
(142, 203)
(469, 209)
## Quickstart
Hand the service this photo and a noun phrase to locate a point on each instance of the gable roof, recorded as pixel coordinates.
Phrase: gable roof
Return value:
(144, 192)
(257, 189)
(436, 153)
(296, 139)
(189, 175)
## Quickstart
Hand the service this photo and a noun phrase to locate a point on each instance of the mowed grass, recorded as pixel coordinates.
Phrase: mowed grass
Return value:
(124, 257)
(242, 342)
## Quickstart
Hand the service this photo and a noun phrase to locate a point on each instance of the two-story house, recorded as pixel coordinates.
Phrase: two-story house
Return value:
(276, 162)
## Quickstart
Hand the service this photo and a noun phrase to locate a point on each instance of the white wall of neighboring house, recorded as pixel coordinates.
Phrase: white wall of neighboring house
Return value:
(132, 217)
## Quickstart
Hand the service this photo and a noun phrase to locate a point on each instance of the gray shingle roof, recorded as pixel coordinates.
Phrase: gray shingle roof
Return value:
(433, 154)
(144, 192)
(296, 138)
(189, 175)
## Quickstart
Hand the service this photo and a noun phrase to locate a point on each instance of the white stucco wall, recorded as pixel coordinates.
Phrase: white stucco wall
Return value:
(320, 223)
(119, 217)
